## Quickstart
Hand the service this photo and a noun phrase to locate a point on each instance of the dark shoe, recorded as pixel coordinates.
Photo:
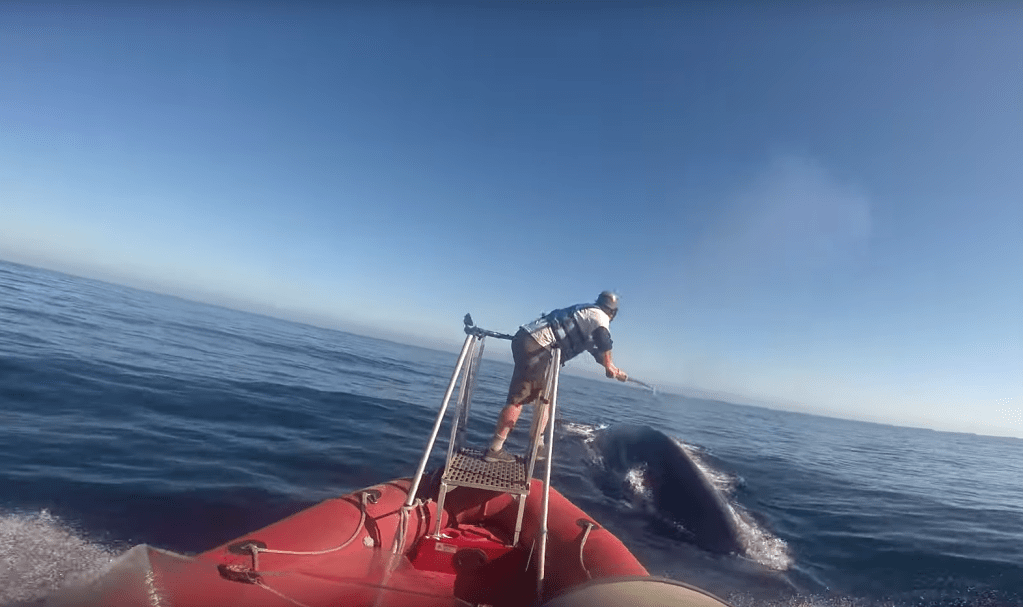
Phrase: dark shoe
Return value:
(498, 456)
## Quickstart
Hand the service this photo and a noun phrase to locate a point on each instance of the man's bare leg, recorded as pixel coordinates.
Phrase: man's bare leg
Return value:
(505, 423)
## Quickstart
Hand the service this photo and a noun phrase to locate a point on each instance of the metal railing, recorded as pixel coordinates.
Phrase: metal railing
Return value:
(464, 376)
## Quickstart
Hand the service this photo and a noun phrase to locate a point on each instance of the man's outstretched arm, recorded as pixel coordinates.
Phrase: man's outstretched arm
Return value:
(609, 367)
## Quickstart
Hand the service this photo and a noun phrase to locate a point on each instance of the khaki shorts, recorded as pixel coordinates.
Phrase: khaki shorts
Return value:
(530, 374)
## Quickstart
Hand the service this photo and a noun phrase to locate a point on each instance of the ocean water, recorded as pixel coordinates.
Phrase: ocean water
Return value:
(128, 417)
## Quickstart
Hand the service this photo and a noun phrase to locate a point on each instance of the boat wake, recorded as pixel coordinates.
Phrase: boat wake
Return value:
(39, 553)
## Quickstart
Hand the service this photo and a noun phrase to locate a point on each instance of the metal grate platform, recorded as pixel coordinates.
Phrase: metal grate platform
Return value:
(467, 469)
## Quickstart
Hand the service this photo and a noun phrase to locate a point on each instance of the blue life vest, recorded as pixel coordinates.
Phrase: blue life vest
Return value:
(567, 334)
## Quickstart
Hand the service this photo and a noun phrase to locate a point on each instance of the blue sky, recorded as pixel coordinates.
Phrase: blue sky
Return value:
(820, 208)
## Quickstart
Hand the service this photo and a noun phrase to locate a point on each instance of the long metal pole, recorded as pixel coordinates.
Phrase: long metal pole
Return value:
(465, 393)
(436, 425)
(644, 384)
(555, 366)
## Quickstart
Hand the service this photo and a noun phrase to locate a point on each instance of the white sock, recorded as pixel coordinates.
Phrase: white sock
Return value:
(497, 443)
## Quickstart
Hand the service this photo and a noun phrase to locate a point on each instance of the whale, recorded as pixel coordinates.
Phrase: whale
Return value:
(679, 489)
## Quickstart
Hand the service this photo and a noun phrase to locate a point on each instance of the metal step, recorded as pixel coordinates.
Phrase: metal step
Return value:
(467, 469)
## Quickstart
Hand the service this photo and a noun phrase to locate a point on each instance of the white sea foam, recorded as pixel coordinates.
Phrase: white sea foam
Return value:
(746, 600)
(639, 487)
(40, 553)
(587, 431)
(758, 543)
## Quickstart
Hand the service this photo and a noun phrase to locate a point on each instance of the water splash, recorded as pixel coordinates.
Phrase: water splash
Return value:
(725, 483)
(587, 431)
(40, 553)
(745, 600)
(639, 487)
(758, 543)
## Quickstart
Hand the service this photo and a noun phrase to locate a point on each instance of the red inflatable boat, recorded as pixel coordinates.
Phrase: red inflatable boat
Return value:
(471, 534)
